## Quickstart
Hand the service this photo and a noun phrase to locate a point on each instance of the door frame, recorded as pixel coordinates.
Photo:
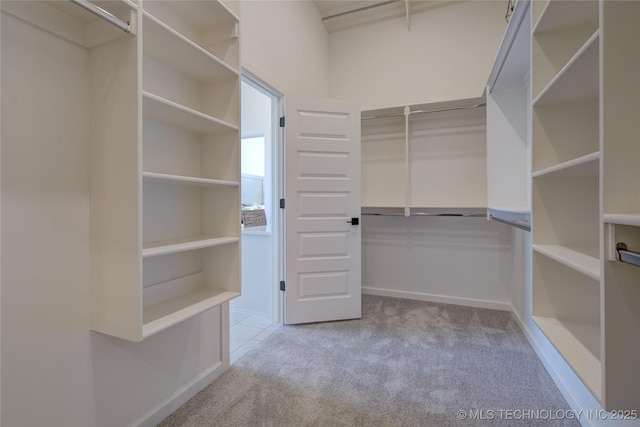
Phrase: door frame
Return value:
(277, 162)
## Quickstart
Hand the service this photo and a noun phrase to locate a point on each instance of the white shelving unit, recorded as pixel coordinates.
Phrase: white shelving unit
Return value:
(566, 231)
(586, 100)
(167, 236)
(430, 156)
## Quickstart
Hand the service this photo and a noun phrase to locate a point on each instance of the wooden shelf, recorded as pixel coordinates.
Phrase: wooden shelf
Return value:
(622, 219)
(166, 247)
(71, 22)
(179, 179)
(577, 80)
(167, 313)
(165, 111)
(166, 45)
(559, 14)
(578, 261)
(562, 334)
(196, 14)
(587, 165)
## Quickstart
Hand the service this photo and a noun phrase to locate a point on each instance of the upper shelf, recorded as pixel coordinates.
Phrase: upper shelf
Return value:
(192, 15)
(578, 79)
(511, 65)
(164, 44)
(560, 14)
(209, 25)
(73, 23)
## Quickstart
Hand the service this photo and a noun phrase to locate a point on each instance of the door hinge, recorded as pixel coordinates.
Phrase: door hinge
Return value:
(281, 203)
(282, 121)
(282, 285)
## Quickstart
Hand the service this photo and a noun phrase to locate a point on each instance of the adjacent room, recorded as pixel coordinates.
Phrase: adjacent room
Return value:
(319, 212)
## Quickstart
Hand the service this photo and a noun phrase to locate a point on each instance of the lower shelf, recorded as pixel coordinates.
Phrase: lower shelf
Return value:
(165, 314)
(181, 285)
(582, 263)
(564, 335)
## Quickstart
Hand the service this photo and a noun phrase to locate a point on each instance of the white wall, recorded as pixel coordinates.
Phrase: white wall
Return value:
(453, 260)
(446, 55)
(285, 44)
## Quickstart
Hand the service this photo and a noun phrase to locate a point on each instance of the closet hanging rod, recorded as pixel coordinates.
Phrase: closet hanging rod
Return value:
(440, 110)
(465, 215)
(627, 256)
(103, 14)
(517, 224)
(360, 9)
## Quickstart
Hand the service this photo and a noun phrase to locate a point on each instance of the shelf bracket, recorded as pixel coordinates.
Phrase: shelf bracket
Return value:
(627, 256)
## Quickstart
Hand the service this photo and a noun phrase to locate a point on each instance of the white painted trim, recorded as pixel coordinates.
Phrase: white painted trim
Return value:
(469, 302)
(180, 397)
(578, 397)
(277, 162)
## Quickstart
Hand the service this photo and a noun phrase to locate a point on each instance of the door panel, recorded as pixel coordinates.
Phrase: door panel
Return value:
(322, 180)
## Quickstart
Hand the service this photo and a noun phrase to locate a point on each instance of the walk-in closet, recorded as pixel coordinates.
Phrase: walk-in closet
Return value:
(479, 158)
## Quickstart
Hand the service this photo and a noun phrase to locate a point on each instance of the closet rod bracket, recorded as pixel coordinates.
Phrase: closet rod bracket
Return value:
(127, 27)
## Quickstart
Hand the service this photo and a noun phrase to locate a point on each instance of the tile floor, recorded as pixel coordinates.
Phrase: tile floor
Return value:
(247, 330)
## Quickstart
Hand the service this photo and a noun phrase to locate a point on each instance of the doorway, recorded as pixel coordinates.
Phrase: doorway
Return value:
(257, 312)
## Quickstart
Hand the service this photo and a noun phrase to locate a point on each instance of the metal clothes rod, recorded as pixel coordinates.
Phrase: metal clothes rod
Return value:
(464, 107)
(516, 224)
(627, 256)
(468, 215)
(360, 9)
(103, 14)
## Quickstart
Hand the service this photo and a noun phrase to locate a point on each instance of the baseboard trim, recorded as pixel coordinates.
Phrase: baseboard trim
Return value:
(578, 397)
(180, 397)
(469, 302)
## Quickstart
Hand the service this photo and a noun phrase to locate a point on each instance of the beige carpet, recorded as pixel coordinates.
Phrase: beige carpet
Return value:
(405, 363)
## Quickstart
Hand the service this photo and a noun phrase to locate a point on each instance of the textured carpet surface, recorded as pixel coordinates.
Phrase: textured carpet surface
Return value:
(405, 363)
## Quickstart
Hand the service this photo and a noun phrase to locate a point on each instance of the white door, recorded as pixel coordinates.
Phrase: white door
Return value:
(322, 193)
